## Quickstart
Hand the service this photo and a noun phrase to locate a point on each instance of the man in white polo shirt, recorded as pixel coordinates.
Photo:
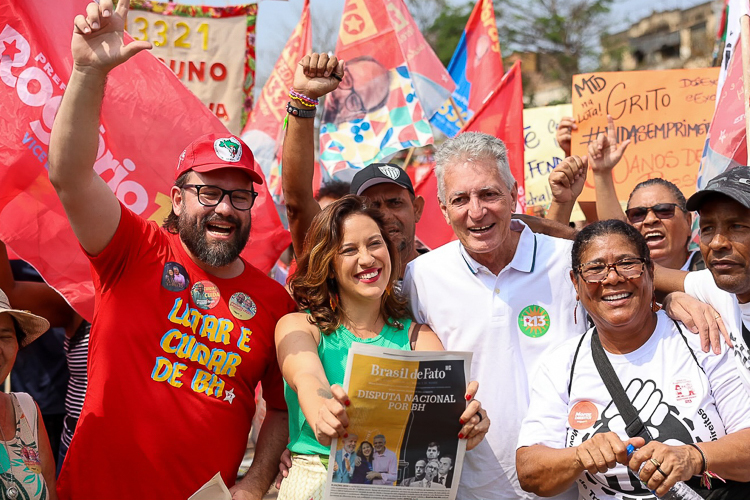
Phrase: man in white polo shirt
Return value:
(501, 291)
(724, 208)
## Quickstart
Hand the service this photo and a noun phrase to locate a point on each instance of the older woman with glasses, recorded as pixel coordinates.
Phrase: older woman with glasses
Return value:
(684, 411)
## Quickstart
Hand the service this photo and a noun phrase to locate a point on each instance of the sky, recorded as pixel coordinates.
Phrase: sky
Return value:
(276, 20)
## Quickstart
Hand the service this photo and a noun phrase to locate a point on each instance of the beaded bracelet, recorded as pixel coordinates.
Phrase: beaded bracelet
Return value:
(302, 97)
(304, 103)
(706, 475)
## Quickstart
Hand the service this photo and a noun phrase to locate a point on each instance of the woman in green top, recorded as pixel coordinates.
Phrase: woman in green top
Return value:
(346, 284)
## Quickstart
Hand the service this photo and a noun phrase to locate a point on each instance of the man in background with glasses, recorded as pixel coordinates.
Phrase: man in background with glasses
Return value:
(172, 379)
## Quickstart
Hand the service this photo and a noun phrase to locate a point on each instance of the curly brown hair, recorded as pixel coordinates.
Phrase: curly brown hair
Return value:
(311, 285)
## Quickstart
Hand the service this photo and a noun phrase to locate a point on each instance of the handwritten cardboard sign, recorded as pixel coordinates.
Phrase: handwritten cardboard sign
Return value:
(541, 151)
(665, 114)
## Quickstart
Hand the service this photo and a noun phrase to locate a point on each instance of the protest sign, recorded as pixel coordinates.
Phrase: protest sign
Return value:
(406, 405)
(665, 114)
(541, 151)
(210, 49)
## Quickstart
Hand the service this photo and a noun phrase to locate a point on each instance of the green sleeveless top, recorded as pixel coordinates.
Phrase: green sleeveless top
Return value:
(333, 350)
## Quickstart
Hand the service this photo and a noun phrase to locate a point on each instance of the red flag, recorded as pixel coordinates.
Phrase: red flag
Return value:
(476, 67)
(726, 145)
(501, 115)
(264, 125)
(432, 229)
(484, 61)
(148, 117)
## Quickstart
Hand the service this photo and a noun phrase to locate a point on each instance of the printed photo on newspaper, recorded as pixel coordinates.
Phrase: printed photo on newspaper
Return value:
(403, 429)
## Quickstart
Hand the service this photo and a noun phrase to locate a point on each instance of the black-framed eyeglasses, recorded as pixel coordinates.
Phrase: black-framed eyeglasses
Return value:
(596, 272)
(661, 210)
(210, 196)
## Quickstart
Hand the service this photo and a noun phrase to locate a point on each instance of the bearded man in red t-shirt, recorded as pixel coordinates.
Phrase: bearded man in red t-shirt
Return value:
(172, 369)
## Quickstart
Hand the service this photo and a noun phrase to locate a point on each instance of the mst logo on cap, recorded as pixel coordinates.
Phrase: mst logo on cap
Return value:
(389, 171)
(228, 149)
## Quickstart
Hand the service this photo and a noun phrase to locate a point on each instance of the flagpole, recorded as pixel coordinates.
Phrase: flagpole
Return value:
(745, 43)
(458, 111)
(409, 154)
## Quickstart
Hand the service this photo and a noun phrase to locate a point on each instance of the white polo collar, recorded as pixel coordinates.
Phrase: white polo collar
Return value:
(524, 258)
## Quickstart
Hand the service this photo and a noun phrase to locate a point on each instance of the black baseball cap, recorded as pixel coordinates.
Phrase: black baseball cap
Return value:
(734, 183)
(379, 173)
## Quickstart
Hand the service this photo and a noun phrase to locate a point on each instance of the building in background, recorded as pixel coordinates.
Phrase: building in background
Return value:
(664, 40)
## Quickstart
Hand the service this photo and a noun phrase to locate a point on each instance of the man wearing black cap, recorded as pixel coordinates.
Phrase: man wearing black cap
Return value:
(724, 209)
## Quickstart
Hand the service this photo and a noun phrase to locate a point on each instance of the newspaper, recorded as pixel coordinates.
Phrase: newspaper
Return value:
(405, 405)
(214, 489)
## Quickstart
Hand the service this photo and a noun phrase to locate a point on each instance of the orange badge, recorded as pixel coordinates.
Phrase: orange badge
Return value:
(583, 415)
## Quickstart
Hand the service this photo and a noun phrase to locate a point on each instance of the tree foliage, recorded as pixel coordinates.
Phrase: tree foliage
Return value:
(566, 32)
(444, 33)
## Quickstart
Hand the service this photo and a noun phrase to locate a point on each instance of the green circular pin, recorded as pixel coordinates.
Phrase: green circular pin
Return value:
(533, 321)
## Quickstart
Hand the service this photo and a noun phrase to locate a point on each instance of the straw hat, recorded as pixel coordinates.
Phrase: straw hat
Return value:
(31, 324)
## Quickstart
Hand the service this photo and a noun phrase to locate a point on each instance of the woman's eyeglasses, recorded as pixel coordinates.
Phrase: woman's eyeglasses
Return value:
(661, 210)
(596, 272)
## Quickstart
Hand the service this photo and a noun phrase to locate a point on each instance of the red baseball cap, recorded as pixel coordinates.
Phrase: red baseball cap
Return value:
(215, 151)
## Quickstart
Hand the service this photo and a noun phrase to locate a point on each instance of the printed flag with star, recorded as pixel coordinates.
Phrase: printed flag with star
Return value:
(726, 145)
(476, 67)
(148, 117)
(393, 82)
(264, 129)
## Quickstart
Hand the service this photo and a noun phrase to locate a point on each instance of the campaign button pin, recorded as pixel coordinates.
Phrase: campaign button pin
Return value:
(205, 294)
(583, 415)
(175, 278)
(242, 306)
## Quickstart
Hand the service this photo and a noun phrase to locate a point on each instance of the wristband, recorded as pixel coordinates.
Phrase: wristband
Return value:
(302, 113)
(706, 475)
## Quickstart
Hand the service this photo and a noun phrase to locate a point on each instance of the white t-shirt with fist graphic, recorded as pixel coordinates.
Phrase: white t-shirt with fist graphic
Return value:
(682, 394)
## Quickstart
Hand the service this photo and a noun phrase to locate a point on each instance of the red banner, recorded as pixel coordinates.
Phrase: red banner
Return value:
(484, 62)
(148, 117)
(432, 229)
(501, 115)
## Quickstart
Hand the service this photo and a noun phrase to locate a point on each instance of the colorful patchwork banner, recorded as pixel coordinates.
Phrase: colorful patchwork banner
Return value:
(392, 83)
(210, 49)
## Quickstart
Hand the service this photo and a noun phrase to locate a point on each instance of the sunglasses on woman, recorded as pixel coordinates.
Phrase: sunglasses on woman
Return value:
(661, 210)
